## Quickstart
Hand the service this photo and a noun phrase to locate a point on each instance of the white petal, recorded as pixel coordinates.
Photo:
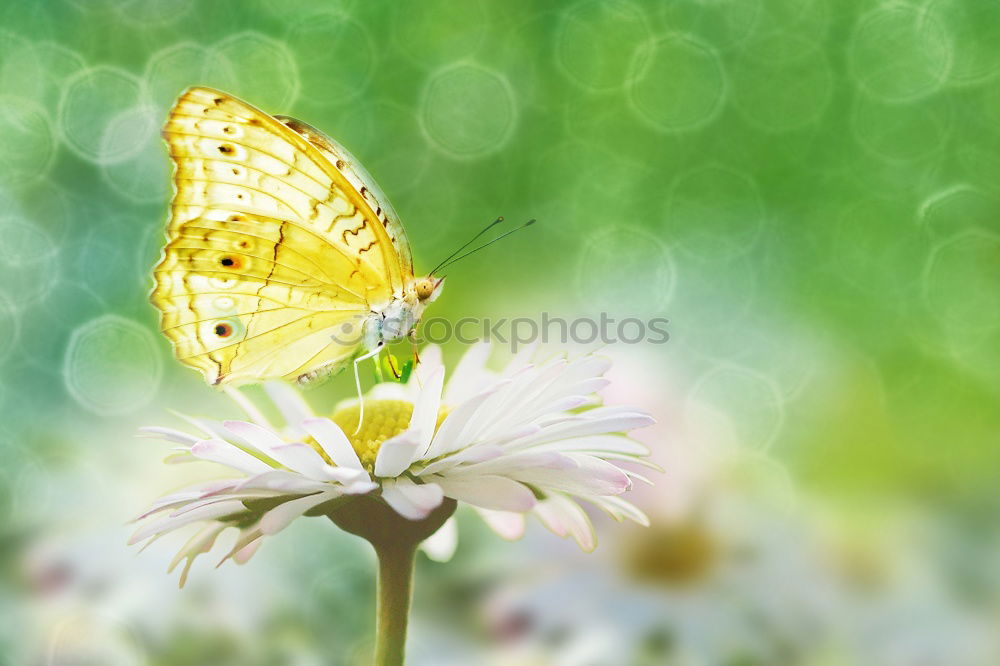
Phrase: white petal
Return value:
(410, 500)
(488, 492)
(168, 434)
(396, 454)
(473, 454)
(209, 512)
(188, 494)
(333, 440)
(470, 375)
(450, 436)
(259, 438)
(425, 409)
(592, 476)
(507, 525)
(586, 424)
(293, 407)
(441, 545)
(283, 481)
(565, 517)
(303, 459)
(430, 361)
(597, 444)
(620, 509)
(282, 515)
(224, 453)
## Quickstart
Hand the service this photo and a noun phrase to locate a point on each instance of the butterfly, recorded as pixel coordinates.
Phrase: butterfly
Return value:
(284, 259)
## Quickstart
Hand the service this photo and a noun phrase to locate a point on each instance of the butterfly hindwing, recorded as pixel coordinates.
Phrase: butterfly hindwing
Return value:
(274, 256)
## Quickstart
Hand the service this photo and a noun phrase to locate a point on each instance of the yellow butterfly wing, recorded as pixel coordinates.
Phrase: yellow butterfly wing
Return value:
(275, 253)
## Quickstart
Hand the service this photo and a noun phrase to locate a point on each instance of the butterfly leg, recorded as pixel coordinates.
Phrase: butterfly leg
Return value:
(357, 383)
(413, 341)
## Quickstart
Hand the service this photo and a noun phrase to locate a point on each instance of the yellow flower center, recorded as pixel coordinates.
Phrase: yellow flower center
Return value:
(383, 419)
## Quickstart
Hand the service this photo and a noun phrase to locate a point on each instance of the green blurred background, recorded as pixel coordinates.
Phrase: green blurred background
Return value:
(808, 189)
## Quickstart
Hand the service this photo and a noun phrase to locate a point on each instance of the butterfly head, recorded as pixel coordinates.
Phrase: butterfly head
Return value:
(427, 289)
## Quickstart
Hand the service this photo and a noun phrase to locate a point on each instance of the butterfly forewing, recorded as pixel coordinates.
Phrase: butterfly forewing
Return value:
(274, 256)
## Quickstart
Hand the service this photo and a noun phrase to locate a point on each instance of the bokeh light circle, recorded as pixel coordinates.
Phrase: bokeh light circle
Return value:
(901, 132)
(90, 100)
(112, 365)
(143, 176)
(974, 29)
(625, 267)
(336, 56)
(433, 32)
(173, 69)
(778, 86)
(751, 402)
(596, 42)
(255, 67)
(29, 260)
(27, 141)
(961, 285)
(677, 83)
(714, 212)
(467, 111)
(10, 327)
(899, 53)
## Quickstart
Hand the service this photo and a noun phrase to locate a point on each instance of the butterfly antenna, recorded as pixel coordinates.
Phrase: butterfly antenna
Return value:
(487, 244)
(467, 244)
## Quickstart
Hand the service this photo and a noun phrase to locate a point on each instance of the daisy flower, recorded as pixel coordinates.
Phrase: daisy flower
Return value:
(532, 439)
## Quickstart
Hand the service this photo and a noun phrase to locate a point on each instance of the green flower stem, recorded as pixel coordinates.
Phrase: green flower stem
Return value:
(395, 588)
(395, 540)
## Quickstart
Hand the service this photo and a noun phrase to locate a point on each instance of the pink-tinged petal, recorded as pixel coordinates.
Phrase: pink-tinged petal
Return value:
(209, 512)
(410, 500)
(396, 453)
(247, 536)
(293, 407)
(169, 434)
(243, 555)
(282, 515)
(564, 517)
(441, 545)
(488, 492)
(334, 442)
(201, 542)
(507, 525)
(591, 476)
(224, 453)
(248, 407)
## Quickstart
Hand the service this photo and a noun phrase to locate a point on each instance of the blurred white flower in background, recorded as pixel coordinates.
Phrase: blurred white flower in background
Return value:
(532, 439)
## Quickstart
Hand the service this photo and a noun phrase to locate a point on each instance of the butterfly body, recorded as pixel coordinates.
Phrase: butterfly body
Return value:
(284, 259)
